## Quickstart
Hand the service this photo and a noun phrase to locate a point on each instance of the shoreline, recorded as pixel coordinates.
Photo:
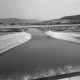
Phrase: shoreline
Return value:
(12, 40)
(64, 36)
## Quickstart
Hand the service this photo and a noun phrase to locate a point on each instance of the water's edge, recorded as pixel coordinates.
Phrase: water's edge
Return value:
(12, 40)
(64, 36)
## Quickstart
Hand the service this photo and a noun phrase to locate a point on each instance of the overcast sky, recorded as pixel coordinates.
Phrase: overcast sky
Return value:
(38, 9)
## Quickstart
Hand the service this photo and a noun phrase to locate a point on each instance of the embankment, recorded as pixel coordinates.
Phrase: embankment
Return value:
(64, 36)
(11, 40)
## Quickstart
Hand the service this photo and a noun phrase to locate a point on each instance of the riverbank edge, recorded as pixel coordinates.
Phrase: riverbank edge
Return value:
(64, 36)
(23, 37)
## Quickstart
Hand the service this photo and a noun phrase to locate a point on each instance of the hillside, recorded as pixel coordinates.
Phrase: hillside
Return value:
(74, 17)
(64, 20)
(48, 22)
(16, 20)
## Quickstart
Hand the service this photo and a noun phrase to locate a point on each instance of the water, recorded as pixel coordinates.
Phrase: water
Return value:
(40, 53)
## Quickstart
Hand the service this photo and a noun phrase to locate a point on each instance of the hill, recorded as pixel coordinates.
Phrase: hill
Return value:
(64, 20)
(14, 21)
(74, 17)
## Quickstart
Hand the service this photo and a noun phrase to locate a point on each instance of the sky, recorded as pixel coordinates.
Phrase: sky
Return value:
(38, 9)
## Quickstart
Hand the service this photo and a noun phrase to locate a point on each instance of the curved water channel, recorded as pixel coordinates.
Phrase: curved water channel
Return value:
(40, 54)
(12, 40)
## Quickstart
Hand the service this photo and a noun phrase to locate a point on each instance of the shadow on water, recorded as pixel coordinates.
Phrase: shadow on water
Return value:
(2, 54)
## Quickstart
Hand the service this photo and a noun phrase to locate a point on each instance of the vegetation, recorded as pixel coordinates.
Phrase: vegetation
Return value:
(23, 22)
(62, 21)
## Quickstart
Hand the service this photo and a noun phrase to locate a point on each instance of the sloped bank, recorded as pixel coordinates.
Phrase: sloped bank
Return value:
(12, 40)
(64, 36)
